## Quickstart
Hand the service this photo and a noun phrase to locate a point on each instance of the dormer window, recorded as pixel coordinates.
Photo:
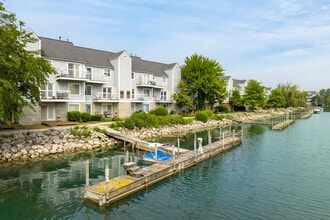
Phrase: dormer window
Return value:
(73, 70)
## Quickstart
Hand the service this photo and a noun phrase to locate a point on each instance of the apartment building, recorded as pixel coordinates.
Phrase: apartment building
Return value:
(101, 82)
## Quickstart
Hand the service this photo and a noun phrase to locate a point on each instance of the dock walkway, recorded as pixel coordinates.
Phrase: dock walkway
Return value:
(117, 188)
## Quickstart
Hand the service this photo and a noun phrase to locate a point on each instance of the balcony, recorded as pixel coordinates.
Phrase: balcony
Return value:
(54, 96)
(81, 77)
(150, 84)
(105, 97)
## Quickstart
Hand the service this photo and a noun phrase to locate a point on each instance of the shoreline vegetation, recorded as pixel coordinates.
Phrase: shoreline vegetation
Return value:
(24, 146)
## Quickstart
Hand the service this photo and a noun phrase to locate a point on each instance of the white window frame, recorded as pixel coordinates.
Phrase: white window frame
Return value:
(91, 90)
(163, 95)
(70, 105)
(132, 75)
(74, 84)
(75, 70)
(105, 92)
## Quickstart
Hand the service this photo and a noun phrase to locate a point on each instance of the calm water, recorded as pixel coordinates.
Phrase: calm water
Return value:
(272, 175)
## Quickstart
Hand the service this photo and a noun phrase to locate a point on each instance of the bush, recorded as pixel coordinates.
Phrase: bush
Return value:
(80, 132)
(177, 120)
(115, 118)
(74, 116)
(140, 120)
(161, 110)
(218, 117)
(201, 116)
(129, 123)
(86, 117)
(221, 108)
(96, 117)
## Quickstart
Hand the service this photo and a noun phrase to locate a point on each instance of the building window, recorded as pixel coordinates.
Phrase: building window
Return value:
(88, 90)
(74, 107)
(89, 73)
(107, 72)
(133, 93)
(128, 94)
(163, 95)
(121, 94)
(73, 70)
(107, 92)
(132, 75)
(74, 89)
(146, 93)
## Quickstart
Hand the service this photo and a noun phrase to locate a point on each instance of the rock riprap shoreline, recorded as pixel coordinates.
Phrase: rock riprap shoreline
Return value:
(32, 144)
(177, 130)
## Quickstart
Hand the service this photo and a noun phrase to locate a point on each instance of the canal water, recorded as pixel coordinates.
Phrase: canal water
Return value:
(272, 175)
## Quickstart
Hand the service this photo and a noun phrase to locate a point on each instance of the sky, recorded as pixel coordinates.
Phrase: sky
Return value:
(271, 41)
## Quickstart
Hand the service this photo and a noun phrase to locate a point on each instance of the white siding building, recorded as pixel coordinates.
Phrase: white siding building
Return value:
(101, 82)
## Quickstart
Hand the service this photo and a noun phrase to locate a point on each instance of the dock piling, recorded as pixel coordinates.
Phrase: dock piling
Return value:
(87, 173)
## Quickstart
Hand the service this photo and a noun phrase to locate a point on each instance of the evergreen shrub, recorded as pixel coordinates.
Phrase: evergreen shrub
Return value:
(74, 116)
(86, 117)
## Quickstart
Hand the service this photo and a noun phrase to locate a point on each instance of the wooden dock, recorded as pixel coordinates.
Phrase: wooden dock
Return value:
(119, 187)
(282, 125)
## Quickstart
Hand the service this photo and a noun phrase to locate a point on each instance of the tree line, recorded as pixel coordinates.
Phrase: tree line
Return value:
(322, 99)
(202, 83)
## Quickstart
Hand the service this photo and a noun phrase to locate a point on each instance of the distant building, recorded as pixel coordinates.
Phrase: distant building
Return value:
(234, 84)
(310, 97)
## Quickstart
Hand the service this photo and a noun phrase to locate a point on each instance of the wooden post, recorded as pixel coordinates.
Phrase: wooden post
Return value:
(107, 178)
(106, 171)
(87, 173)
(173, 152)
(195, 145)
(223, 141)
(233, 137)
(178, 146)
(210, 141)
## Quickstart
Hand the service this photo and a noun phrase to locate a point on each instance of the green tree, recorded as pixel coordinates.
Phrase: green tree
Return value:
(182, 98)
(202, 76)
(254, 95)
(236, 100)
(22, 72)
(276, 99)
(293, 97)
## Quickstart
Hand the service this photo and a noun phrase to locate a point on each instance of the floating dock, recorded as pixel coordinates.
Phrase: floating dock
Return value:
(138, 178)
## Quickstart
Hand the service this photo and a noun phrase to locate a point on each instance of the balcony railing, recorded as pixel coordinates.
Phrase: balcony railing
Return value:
(83, 76)
(106, 96)
(150, 83)
(54, 94)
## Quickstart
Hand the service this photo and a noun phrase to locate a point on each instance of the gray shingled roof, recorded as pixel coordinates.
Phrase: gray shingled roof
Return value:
(144, 66)
(64, 50)
(236, 82)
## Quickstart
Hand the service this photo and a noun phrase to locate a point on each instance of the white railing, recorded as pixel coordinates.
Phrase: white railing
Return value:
(150, 83)
(64, 73)
(106, 96)
(54, 94)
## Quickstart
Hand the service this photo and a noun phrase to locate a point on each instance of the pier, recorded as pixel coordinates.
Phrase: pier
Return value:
(138, 178)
